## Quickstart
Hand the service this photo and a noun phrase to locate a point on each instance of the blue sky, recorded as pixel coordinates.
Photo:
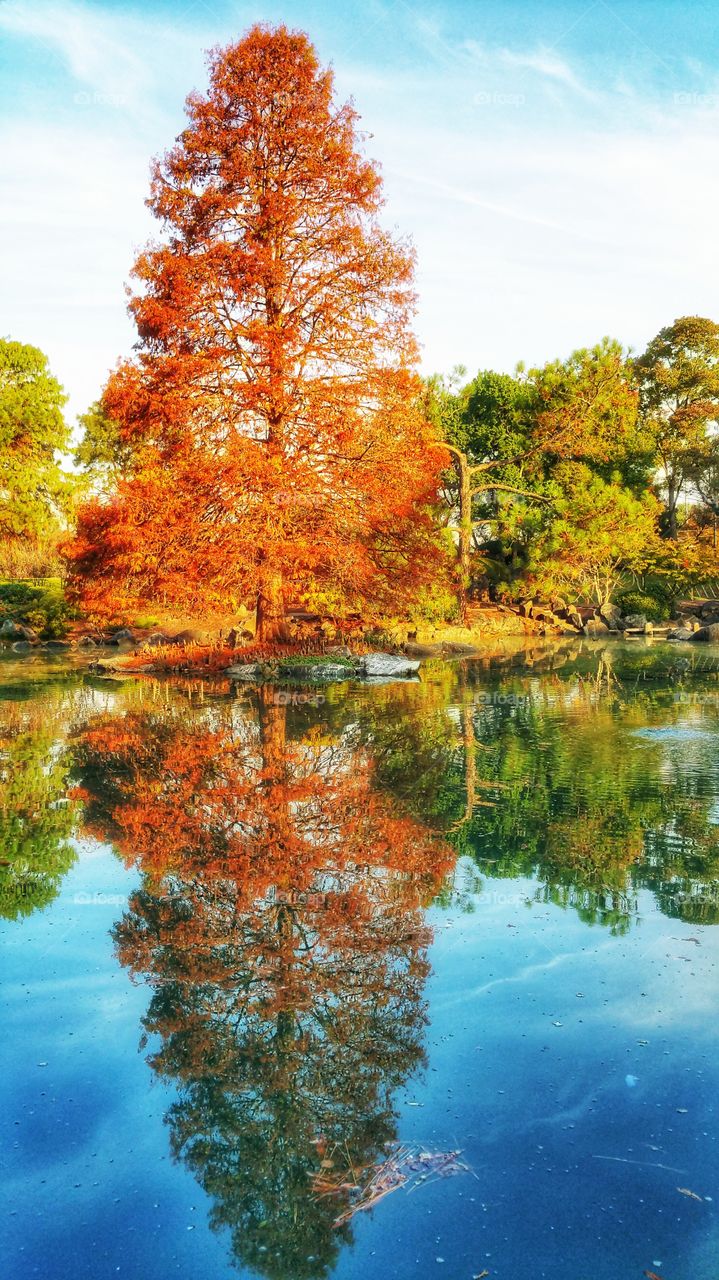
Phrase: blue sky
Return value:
(555, 164)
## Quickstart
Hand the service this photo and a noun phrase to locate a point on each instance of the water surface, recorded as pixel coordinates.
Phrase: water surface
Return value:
(382, 981)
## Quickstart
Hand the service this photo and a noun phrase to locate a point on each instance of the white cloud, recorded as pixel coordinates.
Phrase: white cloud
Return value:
(540, 226)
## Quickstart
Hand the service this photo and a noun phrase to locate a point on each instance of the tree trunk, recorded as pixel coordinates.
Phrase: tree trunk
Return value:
(271, 626)
(465, 526)
(673, 491)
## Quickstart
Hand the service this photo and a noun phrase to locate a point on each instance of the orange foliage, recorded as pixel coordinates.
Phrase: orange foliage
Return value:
(238, 799)
(272, 410)
(279, 928)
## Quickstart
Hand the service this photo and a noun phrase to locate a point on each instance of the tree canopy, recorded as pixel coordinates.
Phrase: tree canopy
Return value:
(34, 491)
(271, 411)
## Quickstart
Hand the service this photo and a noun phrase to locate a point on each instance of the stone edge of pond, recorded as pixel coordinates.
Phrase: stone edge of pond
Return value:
(370, 667)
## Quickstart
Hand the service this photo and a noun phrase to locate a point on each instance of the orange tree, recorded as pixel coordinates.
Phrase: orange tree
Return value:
(270, 420)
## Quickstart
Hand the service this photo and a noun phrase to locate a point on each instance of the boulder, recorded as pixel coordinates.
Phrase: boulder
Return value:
(11, 630)
(57, 644)
(707, 635)
(594, 627)
(193, 635)
(87, 642)
(634, 621)
(680, 633)
(123, 636)
(427, 650)
(611, 615)
(156, 639)
(319, 671)
(709, 609)
(243, 671)
(21, 646)
(574, 619)
(388, 664)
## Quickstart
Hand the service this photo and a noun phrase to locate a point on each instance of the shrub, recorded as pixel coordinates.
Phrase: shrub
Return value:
(655, 608)
(42, 607)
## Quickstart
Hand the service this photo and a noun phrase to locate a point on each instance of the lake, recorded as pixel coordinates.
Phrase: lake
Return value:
(410, 979)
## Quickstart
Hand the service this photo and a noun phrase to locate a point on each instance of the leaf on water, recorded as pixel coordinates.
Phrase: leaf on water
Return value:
(652, 1275)
(404, 1166)
(685, 1191)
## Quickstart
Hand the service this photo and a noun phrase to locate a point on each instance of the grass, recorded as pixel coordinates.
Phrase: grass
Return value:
(316, 660)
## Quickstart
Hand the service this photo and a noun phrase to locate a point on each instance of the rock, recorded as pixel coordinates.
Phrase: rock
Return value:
(680, 633)
(610, 614)
(709, 609)
(87, 642)
(57, 644)
(320, 671)
(574, 619)
(634, 621)
(707, 635)
(193, 635)
(157, 638)
(243, 671)
(388, 664)
(21, 646)
(11, 630)
(123, 636)
(594, 628)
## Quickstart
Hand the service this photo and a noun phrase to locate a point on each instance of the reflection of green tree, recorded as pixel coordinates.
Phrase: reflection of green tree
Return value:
(588, 812)
(279, 925)
(36, 817)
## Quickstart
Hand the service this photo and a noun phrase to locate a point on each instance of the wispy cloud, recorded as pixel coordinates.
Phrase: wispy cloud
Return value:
(553, 197)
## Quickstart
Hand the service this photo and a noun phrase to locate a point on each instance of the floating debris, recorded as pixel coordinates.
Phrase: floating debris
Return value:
(684, 1191)
(408, 1166)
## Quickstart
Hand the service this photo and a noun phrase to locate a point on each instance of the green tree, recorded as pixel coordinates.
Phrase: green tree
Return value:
(34, 491)
(508, 435)
(600, 532)
(678, 380)
(101, 453)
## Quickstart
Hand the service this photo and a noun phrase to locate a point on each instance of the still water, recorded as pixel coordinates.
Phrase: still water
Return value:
(411, 980)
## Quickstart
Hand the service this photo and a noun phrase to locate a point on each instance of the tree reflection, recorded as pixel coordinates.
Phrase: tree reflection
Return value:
(280, 925)
(589, 810)
(36, 816)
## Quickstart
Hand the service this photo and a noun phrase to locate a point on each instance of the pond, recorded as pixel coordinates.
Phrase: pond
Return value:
(409, 979)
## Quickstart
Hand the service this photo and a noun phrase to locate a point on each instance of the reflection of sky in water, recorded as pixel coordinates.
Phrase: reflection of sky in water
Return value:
(576, 1069)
